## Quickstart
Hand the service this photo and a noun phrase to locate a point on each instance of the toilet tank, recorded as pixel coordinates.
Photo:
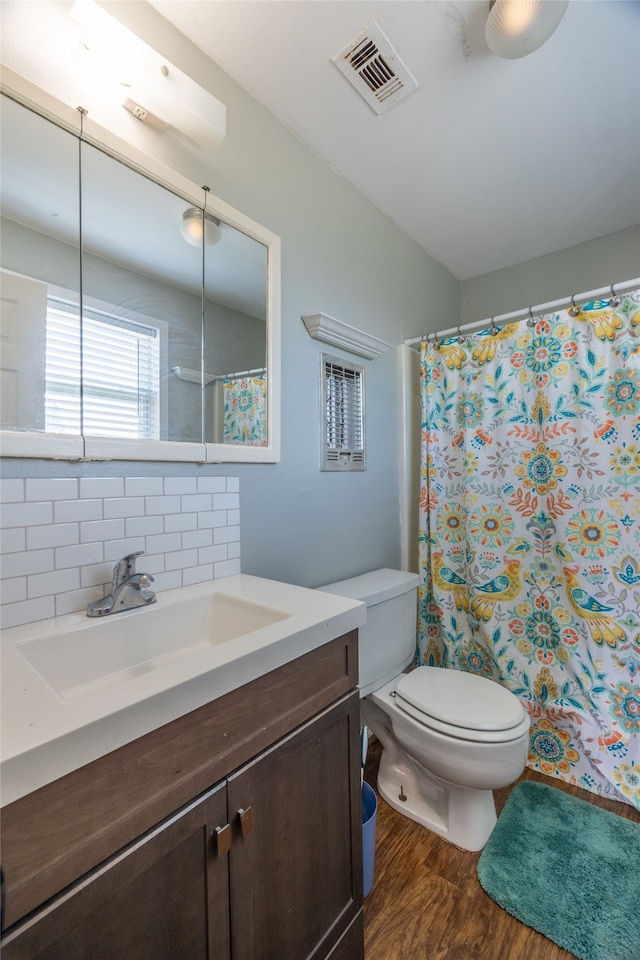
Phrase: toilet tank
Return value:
(387, 641)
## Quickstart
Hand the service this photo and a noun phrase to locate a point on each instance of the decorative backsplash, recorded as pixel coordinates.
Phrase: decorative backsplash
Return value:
(60, 538)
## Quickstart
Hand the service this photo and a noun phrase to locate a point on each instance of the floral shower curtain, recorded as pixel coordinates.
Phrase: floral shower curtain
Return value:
(245, 410)
(530, 530)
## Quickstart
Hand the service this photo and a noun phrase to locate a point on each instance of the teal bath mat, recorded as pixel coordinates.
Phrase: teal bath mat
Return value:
(567, 869)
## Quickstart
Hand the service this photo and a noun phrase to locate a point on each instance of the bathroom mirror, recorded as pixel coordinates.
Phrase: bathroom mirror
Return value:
(122, 336)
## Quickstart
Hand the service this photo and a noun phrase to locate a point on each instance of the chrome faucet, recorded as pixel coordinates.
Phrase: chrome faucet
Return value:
(128, 589)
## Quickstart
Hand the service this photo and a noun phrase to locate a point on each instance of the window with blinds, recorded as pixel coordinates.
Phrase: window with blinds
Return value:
(113, 389)
(343, 415)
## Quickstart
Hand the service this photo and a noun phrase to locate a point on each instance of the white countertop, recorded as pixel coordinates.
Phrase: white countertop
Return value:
(46, 735)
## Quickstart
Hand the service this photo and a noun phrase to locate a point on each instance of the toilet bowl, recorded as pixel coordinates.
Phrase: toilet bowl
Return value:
(449, 738)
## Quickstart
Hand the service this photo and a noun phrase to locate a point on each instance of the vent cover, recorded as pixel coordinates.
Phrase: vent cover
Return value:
(370, 63)
(342, 404)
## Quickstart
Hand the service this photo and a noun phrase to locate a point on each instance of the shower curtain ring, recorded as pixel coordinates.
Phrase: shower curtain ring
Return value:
(575, 310)
(531, 322)
(460, 337)
(494, 329)
(615, 300)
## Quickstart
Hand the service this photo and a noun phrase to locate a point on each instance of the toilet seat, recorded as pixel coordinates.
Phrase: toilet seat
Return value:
(461, 705)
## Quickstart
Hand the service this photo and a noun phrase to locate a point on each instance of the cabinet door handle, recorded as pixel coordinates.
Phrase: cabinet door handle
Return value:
(222, 837)
(246, 820)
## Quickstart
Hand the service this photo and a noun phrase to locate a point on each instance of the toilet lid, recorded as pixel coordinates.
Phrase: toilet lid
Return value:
(460, 699)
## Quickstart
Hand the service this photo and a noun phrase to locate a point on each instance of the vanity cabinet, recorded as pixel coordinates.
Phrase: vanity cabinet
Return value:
(262, 864)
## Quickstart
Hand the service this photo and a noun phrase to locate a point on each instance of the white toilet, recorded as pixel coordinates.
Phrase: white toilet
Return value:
(449, 738)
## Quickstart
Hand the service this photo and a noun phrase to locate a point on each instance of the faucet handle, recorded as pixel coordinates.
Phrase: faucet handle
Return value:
(142, 580)
(130, 562)
(124, 568)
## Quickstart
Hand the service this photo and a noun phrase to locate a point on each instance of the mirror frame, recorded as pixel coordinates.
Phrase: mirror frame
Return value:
(29, 444)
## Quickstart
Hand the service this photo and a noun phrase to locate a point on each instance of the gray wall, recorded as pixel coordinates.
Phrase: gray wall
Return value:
(587, 266)
(344, 258)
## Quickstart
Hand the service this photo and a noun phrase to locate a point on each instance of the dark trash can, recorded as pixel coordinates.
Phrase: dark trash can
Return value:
(369, 811)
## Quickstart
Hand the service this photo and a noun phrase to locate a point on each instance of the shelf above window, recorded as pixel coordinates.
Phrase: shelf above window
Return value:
(339, 334)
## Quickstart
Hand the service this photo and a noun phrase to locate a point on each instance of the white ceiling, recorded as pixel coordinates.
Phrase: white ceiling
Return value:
(490, 162)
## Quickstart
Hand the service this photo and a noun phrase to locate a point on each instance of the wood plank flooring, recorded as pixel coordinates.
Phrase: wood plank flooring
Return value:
(427, 902)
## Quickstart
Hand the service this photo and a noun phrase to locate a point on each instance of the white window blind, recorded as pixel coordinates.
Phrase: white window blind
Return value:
(120, 372)
(343, 421)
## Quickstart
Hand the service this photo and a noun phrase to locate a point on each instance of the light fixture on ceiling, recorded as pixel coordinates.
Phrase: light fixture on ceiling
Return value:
(515, 28)
(195, 222)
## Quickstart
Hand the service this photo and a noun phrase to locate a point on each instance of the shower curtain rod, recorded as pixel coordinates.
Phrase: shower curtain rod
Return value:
(612, 291)
(240, 374)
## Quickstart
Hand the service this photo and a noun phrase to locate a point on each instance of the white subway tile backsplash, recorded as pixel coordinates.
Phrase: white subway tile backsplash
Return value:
(124, 507)
(25, 563)
(11, 491)
(200, 501)
(197, 574)
(96, 574)
(226, 501)
(70, 511)
(115, 549)
(143, 486)
(52, 535)
(13, 539)
(164, 542)
(213, 518)
(156, 505)
(92, 487)
(196, 538)
(48, 489)
(13, 589)
(15, 614)
(79, 554)
(143, 526)
(213, 554)
(214, 484)
(226, 534)
(168, 581)
(226, 568)
(152, 563)
(101, 530)
(180, 485)
(181, 521)
(181, 559)
(25, 514)
(62, 536)
(76, 600)
(59, 581)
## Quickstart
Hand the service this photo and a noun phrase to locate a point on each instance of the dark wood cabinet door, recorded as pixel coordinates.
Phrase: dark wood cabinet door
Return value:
(165, 897)
(296, 861)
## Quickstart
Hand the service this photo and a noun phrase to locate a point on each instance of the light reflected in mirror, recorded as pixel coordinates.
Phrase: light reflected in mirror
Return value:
(173, 338)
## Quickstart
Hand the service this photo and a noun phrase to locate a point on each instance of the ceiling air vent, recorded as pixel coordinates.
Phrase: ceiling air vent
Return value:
(374, 68)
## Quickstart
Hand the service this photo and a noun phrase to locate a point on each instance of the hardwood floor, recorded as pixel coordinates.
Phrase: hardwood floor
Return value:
(427, 903)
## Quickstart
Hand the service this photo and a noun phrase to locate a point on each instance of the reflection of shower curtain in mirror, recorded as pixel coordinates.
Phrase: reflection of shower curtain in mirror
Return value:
(245, 410)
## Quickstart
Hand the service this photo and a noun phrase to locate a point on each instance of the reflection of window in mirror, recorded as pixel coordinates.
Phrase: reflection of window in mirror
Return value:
(135, 259)
(121, 362)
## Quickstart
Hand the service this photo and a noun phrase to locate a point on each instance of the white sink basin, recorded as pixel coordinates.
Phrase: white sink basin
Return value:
(73, 688)
(98, 653)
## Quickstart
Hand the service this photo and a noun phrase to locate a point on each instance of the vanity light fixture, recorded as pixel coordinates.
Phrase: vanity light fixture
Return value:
(515, 28)
(193, 224)
(113, 68)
